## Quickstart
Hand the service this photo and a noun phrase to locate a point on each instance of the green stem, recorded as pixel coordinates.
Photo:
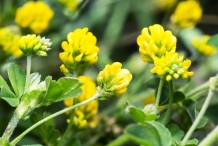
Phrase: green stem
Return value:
(17, 139)
(169, 108)
(211, 138)
(197, 91)
(11, 126)
(197, 120)
(119, 141)
(159, 93)
(69, 126)
(28, 68)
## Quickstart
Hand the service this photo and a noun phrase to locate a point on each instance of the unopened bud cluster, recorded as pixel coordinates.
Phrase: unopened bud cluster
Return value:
(31, 44)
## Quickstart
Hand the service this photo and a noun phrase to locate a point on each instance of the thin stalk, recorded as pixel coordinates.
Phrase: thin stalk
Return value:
(28, 68)
(211, 138)
(197, 120)
(69, 126)
(159, 93)
(17, 139)
(169, 108)
(204, 87)
(119, 141)
(11, 126)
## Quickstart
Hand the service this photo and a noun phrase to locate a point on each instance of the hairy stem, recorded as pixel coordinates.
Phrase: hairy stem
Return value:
(28, 68)
(169, 108)
(11, 126)
(17, 139)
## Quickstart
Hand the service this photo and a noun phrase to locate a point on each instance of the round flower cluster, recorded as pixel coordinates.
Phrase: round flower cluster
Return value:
(155, 44)
(9, 41)
(31, 44)
(187, 13)
(85, 115)
(113, 80)
(172, 66)
(80, 51)
(35, 15)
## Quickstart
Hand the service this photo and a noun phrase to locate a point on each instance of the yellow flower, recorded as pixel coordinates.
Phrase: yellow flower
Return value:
(80, 51)
(172, 66)
(86, 114)
(9, 41)
(200, 44)
(187, 13)
(31, 44)
(113, 80)
(35, 15)
(154, 45)
(71, 4)
(165, 4)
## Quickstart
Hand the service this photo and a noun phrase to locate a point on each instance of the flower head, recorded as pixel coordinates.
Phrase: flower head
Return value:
(9, 41)
(113, 80)
(200, 44)
(35, 15)
(80, 50)
(85, 115)
(187, 13)
(31, 44)
(154, 45)
(172, 66)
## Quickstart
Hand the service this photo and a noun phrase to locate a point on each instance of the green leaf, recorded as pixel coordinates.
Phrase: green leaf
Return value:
(73, 142)
(71, 87)
(35, 96)
(149, 134)
(17, 78)
(33, 145)
(213, 41)
(190, 108)
(176, 133)
(9, 96)
(137, 114)
(46, 130)
(53, 91)
(3, 83)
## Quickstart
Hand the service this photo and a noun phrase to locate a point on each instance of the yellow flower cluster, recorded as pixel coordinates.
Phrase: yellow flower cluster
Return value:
(31, 44)
(172, 66)
(35, 15)
(71, 4)
(9, 41)
(80, 51)
(187, 13)
(113, 80)
(155, 44)
(200, 44)
(85, 115)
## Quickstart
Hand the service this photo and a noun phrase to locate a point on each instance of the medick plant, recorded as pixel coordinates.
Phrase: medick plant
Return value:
(30, 92)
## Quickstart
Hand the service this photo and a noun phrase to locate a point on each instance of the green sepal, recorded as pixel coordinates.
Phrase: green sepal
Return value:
(17, 78)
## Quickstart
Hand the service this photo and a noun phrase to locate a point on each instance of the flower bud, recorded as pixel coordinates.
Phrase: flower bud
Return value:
(31, 44)
(113, 80)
